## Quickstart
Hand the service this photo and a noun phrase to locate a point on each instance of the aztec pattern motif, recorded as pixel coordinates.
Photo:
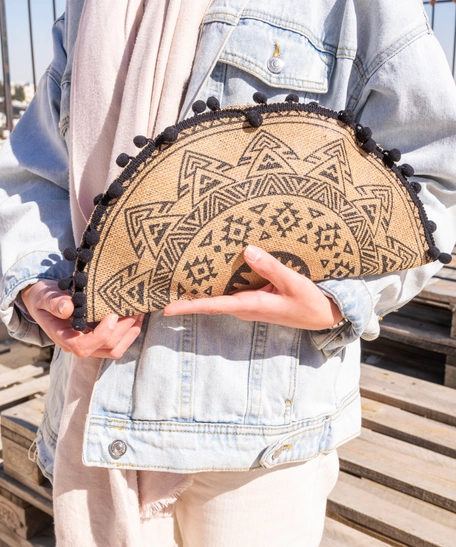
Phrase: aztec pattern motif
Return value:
(299, 186)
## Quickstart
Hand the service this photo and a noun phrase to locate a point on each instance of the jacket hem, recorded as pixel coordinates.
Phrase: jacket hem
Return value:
(197, 447)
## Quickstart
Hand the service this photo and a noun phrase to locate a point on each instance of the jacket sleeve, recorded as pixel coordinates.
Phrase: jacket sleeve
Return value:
(34, 201)
(419, 118)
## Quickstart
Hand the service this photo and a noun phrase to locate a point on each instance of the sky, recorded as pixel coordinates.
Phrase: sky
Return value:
(19, 36)
(42, 17)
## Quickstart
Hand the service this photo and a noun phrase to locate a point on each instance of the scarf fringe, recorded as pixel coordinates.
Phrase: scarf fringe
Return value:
(165, 506)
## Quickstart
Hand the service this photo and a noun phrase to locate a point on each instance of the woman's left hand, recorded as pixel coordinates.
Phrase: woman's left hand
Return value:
(290, 299)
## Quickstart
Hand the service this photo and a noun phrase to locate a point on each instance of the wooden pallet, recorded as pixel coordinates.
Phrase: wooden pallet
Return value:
(398, 479)
(427, 324)
(26, 499)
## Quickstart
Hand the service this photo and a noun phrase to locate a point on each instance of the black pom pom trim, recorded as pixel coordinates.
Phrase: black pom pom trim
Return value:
(79, 312)
(85, 255)
(407, 170)
(123, 159)
(395, 155)
(198, 107)
(213, 104)
(70, 253)
(140, 141)
(79, 324)
(92, 237)
(260, 98)
(254, 118)
(445, 258)
(79, 299)
(432, 226)
(292, 98)
(363, 134)
(434, 252)
(347, 116)
(170, 134)
(369, 146)
(65, 284)
(80, 280)
(97, 199)
(416, 187)
(116, 190)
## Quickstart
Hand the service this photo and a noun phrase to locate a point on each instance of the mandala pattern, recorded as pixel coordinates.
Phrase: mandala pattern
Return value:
(328, 211)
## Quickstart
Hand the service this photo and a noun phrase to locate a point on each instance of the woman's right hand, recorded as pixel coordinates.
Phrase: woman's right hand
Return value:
(52, 308)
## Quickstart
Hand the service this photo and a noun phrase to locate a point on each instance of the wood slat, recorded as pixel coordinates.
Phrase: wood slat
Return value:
(19, 375)
(337, 534)
(22, 391)
(408, 393)
(25, 493)
(24, 419)
(409, 427)
(410, 469)
(11, 539)
(439, 290)
(352, 501)
(422, 334)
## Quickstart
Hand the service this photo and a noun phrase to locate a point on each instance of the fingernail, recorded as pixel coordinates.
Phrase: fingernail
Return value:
(112, 321)
(252, 253)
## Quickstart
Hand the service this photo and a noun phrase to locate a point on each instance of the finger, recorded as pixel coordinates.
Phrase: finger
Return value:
(124, 325)
(85, 345)
(271, 269)
(57, 303)
(241, 303)
(127, 340)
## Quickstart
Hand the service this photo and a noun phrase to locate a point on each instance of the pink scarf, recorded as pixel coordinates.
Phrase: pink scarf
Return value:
(132, 62)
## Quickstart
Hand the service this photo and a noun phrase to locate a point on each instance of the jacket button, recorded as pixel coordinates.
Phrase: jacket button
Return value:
(117, 449)
(275, 65)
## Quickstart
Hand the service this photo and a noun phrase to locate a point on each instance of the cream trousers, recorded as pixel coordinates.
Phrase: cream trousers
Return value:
(279, 507)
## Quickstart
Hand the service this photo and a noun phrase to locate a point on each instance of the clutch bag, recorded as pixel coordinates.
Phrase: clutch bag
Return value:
(305, 183)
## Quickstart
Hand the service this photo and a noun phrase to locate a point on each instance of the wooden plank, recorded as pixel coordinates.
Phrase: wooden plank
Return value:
(389, 514)
(25, 521)
(384, 517)
(405, 359)
(412, 470)
(412, 394)
(450, 376)
(15, 354)
(24, 419)
(401, 501)
(439, 290)
(16, 463)
(425, 335)
(26, 493)
(22, 391)
(11, 539)
(18, 375)
(337, 534)
(409, 427)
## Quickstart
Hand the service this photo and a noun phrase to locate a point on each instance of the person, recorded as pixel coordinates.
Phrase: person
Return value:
(221, 416)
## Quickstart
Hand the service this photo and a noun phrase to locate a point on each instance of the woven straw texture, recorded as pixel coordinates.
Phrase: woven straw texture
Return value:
(299, 186)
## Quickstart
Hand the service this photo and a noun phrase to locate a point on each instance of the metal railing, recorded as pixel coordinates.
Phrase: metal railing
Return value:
(432, 8)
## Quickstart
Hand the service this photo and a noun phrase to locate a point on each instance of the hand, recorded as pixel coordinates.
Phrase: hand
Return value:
(52, 308)
(290, 299)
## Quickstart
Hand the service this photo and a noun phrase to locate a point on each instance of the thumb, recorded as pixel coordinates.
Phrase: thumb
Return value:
(58, 304)
(270, 268)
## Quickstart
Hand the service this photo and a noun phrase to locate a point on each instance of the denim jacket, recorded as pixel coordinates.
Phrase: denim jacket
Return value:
(198, 393)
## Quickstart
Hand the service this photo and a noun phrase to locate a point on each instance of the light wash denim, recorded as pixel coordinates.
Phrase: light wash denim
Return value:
(200, 393)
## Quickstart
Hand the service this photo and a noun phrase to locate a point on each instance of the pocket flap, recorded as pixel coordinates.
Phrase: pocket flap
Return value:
(304, 67)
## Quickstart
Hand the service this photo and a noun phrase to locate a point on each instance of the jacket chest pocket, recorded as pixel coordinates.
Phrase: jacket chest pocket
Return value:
(261, 57)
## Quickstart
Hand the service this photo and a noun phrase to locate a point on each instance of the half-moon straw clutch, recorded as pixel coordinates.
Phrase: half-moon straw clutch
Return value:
(303, 182)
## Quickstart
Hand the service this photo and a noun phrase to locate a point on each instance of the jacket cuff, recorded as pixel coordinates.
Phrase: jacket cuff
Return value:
(355, 303)
(28, 270)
